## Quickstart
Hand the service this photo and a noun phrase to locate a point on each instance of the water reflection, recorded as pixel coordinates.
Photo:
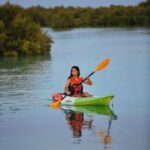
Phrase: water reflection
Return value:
(20, 82)
(105, 135)
(21, 62)
(80, 119)
(77, 122)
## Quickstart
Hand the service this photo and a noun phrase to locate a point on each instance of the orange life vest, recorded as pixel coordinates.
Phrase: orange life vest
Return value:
(75, 86)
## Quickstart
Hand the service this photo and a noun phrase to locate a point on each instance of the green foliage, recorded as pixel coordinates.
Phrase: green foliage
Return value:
(3, 36)
(38, 15)
(145, 4)
(20, 35)
(70, 17)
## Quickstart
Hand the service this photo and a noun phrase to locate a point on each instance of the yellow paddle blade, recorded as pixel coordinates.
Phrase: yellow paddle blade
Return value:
(55, 104)
(57, 107)
(102, 65)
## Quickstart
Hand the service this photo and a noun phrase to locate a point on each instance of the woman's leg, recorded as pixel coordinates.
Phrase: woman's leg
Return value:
(86, 94)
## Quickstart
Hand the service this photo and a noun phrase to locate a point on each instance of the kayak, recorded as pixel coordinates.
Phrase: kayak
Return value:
(86, 101)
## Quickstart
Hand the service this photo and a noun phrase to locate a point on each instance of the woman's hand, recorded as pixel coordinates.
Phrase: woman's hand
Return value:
(88, 81)
(68, 92)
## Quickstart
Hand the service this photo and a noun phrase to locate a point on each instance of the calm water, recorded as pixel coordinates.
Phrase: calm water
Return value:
(28, 123)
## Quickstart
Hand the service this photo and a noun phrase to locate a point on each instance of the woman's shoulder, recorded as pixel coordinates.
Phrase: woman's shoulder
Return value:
(80, 77)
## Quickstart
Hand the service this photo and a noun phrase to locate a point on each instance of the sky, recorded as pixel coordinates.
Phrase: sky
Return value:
(75, 3)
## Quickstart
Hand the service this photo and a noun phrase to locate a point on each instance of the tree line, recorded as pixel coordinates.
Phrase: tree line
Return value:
(21, 33)
(71, 17)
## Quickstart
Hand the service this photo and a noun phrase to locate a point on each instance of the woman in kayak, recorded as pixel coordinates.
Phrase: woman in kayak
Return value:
(73, 86)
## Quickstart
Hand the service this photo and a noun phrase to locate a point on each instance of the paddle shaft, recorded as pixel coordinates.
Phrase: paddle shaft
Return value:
(87, 77)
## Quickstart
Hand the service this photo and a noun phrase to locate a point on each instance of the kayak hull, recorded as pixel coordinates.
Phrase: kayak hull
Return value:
(86, 101)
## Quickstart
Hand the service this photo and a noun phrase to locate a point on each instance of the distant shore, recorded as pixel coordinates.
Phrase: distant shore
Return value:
(73, 17)
(21, 33)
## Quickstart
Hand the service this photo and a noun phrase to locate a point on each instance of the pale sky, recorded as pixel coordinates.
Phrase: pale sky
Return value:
(75, 3)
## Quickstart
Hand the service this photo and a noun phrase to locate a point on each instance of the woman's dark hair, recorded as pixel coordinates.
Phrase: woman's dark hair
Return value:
(74, 67)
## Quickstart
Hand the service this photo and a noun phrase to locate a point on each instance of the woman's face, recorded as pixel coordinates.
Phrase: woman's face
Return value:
(74, 72)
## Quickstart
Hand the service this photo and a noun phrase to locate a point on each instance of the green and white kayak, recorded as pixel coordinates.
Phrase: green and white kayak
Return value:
(86, 101)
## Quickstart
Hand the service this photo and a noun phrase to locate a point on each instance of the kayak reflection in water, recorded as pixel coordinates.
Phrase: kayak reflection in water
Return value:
(76, 121)
(80, 118)
(74, 85)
